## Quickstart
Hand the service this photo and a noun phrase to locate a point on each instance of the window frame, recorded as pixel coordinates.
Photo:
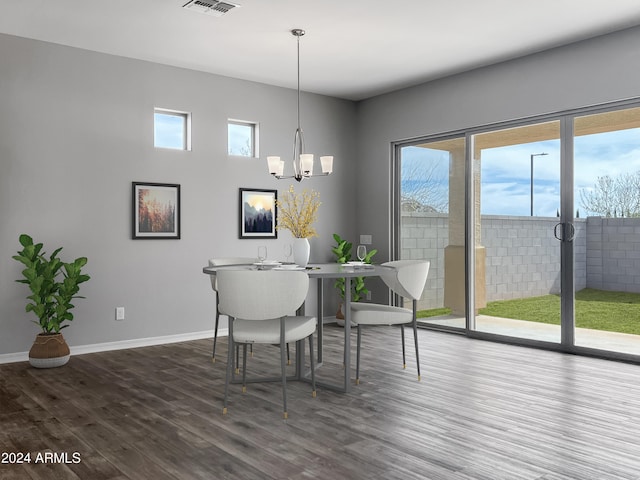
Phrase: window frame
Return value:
(254, 137)
(186, 130)
(566, 119)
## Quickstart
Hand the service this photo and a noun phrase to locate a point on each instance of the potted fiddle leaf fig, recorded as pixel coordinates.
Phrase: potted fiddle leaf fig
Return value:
(53, 285)
(342, 251)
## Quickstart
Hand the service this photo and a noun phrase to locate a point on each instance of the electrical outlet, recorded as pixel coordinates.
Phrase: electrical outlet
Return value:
(366, 239)
(119, 313)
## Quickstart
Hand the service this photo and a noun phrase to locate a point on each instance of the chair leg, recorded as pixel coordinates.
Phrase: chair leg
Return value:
(283, 369)
(251, 349)
(244, 368)
(288, 355)
(215, 333)
(313, 366)
(237, 359)
(415, 336)
(358, 354)
(229, 368)
(404, 359)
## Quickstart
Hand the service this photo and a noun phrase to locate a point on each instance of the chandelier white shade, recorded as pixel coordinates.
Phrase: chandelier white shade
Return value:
(302, 161)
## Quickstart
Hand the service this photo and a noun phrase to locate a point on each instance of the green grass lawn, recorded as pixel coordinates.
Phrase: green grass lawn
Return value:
(595, 309)
(434, 312)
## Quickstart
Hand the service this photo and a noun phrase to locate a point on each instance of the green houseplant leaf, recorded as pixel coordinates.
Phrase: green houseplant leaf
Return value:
(342, 251)
(52, 282)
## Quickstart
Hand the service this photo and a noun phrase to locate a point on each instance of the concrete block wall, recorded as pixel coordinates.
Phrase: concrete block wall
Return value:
(522, 254)
(613, 254)
(424, 236)
(523, 257)
(580, 250)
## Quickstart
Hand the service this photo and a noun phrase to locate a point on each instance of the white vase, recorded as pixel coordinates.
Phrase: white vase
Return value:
(301, 250)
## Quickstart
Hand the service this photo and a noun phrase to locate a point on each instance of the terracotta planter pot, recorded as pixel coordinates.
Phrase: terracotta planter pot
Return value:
(49, 350)
(340, 316)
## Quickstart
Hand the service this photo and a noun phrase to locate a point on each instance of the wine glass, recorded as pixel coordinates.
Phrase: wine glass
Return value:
(288, 251)
(361, 252)
(262, 253)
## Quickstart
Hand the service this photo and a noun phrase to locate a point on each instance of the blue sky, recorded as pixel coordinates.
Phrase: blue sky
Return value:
(506, 179)
(168, 131)
(239, 139)
(506, 171)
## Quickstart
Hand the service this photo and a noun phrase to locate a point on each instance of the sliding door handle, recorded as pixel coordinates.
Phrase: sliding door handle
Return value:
(567, 232)
(555, 231)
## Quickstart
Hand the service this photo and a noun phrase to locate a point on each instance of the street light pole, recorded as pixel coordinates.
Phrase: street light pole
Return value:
(534, 155)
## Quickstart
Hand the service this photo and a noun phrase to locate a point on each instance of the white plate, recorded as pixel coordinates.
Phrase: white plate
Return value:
(268, 263)
(288, 268)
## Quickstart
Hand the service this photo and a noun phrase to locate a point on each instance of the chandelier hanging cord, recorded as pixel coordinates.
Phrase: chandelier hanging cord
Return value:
(298, 33)
(298, 139)
(302, 162)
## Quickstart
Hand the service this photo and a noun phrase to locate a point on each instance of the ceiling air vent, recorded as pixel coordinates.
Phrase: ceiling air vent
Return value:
(210, 7)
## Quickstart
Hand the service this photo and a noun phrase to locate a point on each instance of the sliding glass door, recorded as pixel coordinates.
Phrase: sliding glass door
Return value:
(537, 224)
(607, 198)
(431, 213)
(516, 200)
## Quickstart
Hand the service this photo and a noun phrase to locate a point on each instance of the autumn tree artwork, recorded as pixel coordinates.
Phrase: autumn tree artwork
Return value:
(257, 213)
(156, 210)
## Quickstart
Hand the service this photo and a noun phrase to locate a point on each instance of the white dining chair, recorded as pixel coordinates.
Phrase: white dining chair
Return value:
(261, 306)
(221, 262)
(407, 278)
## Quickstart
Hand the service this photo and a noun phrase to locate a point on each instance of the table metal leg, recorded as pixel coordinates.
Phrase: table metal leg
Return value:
(320, 318)
(300, 373)
(347, 334)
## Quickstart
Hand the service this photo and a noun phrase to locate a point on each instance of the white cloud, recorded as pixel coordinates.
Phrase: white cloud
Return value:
(506, 171)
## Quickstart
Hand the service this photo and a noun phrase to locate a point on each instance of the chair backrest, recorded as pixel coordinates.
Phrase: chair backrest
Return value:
(221, 262)
(407, 277)
(261, 294)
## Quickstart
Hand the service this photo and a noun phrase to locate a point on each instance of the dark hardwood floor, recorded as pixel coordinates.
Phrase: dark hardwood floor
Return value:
(482, 411)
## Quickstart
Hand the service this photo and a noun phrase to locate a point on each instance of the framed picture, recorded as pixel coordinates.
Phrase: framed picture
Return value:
(258, 213)
(156, 210)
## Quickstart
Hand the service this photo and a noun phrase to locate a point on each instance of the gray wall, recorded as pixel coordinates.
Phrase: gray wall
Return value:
(76, 128)
(595, 71)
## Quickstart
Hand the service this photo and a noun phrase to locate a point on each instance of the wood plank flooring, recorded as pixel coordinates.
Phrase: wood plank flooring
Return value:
(482, 411)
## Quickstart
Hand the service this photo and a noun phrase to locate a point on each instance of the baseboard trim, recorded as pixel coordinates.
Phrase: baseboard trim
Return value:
(121, 345)
(14, 357)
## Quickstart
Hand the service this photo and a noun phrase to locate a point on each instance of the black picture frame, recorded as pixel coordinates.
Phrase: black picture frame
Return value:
(257, 213)
(155, 211)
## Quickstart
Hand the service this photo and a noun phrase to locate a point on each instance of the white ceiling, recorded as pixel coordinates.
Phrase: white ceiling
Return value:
(353, 49)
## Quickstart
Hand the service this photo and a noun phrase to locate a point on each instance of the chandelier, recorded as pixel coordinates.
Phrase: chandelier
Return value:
(302, 161)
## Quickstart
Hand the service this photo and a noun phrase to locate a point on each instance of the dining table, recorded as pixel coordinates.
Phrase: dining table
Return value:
(322, 272)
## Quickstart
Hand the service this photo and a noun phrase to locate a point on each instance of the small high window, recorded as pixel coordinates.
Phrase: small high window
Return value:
(243, 138)
(171, 129)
